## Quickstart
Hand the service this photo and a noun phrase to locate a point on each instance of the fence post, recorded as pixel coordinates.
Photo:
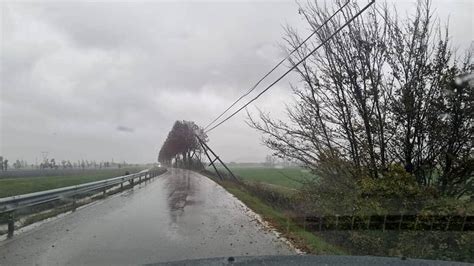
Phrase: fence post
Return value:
(384, 221)
(447, 224)
(400, 223)
(320, 223)
(464, 222)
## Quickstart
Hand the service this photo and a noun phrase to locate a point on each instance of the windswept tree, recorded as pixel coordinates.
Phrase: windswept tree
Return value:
(182, 143)
(380, 93)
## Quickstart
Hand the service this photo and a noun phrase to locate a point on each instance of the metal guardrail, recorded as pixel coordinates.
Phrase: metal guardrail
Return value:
(11, 204)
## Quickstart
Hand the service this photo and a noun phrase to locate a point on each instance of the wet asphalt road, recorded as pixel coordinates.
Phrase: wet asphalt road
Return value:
(179, 215)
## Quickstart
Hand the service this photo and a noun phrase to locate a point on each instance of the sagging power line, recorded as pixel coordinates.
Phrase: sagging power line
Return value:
(294, 66)
(277, 65)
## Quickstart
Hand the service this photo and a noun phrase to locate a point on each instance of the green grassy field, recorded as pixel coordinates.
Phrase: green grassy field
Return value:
(285, 177)
(18, 186)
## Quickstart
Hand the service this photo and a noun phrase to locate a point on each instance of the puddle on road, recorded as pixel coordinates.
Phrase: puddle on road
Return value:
(180, 189)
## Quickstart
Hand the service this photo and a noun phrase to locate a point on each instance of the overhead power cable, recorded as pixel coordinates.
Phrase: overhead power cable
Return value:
(294, 66)
(277, 65)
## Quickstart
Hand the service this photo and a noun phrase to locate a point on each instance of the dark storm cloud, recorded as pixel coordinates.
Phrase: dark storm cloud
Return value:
(125, 129)
(80, 69)
(182, 45)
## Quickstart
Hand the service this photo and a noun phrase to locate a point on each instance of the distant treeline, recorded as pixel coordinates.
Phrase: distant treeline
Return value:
(63, 164)
(57, 172)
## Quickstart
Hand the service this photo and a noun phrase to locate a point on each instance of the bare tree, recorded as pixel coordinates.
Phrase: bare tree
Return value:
(371, 96)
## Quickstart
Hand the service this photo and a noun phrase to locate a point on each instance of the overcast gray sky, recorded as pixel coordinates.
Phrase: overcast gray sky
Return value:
(103, 80)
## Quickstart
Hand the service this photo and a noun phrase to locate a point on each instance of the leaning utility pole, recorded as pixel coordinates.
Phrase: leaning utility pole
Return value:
(206, 148)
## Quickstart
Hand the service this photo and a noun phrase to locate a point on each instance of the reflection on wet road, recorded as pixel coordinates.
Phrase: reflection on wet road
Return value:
(179, 215)
(180, 190)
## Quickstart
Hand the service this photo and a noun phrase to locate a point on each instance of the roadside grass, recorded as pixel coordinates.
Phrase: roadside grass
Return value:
(301, 238)
(290, 177)
(18, 186)
(276, 210)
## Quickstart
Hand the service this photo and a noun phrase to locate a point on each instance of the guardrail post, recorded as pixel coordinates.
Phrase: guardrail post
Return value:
(11, 226)
(73, 203)
(121, 185)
